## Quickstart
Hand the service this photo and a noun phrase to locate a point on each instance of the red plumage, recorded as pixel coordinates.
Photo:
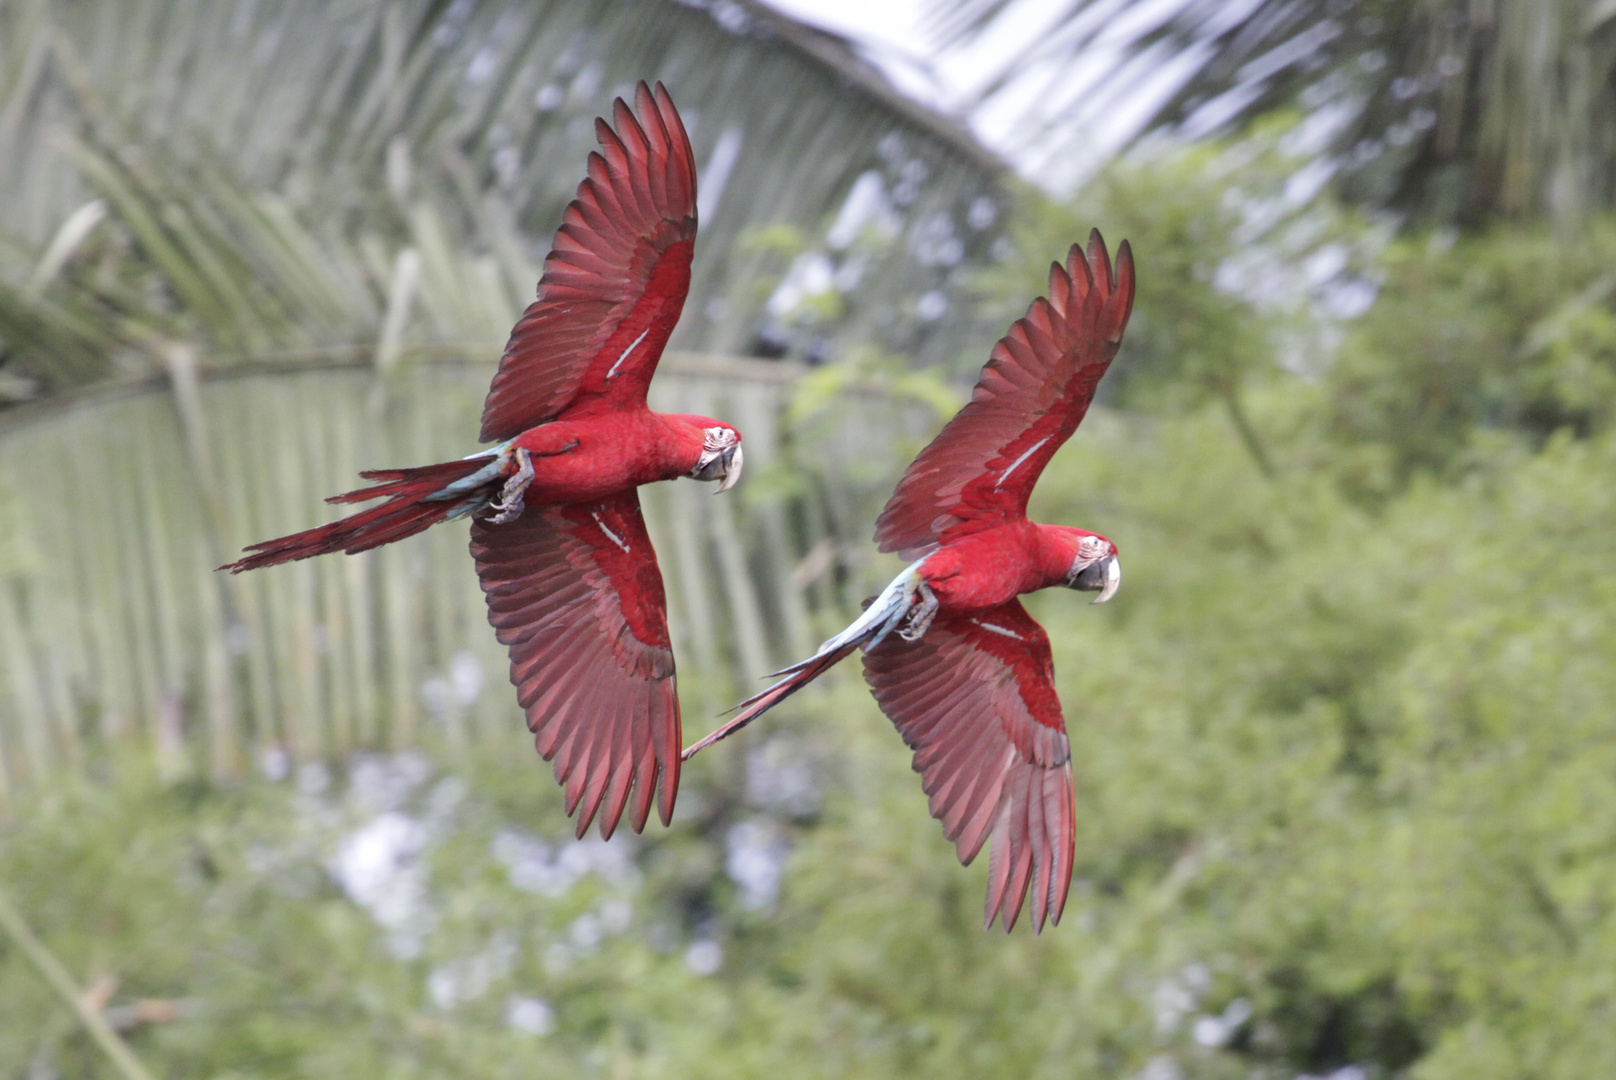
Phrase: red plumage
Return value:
(403, 514)
(1033, 392)
(561, 550)
(952, 657)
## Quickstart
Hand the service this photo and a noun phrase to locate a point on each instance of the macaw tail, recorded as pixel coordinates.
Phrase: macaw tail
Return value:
(881, 616)
(417, 499)
(797, 675)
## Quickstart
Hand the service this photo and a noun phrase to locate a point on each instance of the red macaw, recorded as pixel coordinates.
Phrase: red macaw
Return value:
(561, 549)
(968, 679)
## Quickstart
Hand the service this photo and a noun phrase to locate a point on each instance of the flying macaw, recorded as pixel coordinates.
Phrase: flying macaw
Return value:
(968, 678)
(561, 549)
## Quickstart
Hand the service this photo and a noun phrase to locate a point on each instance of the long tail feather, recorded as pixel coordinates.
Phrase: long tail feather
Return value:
(755, 706)
(417, 499)
(881, 616)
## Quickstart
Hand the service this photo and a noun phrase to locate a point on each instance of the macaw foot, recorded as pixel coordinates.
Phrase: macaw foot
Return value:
(921, 615)
(510, 503)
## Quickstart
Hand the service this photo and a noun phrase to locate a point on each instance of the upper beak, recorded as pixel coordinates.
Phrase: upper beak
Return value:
(1103, 576)
(1113, 579)
(733, 460)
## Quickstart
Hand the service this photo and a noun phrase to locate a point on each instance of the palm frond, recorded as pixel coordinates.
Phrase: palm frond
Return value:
(263, 166)
(1449, 109)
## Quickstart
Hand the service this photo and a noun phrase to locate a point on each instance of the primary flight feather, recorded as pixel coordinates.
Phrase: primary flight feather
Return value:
(560, 546)
(967, 678)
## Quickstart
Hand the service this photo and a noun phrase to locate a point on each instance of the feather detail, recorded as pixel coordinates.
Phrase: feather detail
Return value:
(979, 711)
(615, 280)
(881, 616)
(1031, 396)
(416, 498)
(585, 619)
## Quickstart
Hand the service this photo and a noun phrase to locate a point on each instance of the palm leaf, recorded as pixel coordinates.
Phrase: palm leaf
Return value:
(264, 166)
(1451, 109)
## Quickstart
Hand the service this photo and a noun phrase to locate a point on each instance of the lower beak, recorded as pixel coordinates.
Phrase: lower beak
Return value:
(1103, 576)
(732, 470)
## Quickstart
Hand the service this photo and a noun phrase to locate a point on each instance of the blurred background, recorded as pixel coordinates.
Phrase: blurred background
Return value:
(1344, 744)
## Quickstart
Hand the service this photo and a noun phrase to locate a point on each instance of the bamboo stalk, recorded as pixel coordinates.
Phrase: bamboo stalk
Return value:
(139, 623)
(224, 749)
(133, 617)
(164, 610)
(250, 631)
(26, 696)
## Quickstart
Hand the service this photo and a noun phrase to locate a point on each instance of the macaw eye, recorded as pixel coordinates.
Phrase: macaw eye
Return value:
(1091, 547)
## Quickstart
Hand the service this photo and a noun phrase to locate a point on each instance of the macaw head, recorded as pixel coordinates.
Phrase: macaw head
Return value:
(720, 456)
(1092, 564)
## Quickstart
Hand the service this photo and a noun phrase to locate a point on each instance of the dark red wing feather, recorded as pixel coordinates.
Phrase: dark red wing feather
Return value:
(975, 699)
(615, 281)
(575, 593)
(979, 471)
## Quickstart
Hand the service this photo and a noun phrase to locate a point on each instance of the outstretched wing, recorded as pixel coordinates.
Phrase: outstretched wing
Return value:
(575, 593)
(975, 699)
(1033, 393)
(615, 281)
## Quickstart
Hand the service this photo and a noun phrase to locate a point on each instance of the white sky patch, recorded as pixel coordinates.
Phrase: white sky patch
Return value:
(537, 866)
(1099, 103)
(885, 24)
(379, 866)
(715, 174)
(704, 957)
(811, 274)
(866, 205)
(530, 1015)
(755, 860)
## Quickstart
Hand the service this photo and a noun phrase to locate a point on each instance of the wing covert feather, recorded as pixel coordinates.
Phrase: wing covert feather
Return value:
(614, 282)
(575, 594)
(975, 700)
(1031, 396)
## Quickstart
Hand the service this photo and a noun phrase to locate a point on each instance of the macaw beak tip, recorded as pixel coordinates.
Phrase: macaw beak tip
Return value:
(1113, 580)
(732, 474)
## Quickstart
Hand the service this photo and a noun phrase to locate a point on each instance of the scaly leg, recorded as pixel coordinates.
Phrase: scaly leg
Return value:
(510, 503)
(921, 615)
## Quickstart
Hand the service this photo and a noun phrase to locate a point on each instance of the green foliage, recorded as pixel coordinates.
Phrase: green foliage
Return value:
(1351, 771)
(1511, 330)
(1224, 286)
(1186, 339)
(1346, 774)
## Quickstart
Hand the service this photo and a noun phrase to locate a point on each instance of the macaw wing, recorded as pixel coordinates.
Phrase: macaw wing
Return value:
(1033, 392)
(614, 283)
(575, 593)
(975, 700)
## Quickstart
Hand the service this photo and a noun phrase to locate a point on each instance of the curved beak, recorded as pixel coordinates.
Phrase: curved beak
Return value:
(1113, 579)
(1103, 576)
(733, 461)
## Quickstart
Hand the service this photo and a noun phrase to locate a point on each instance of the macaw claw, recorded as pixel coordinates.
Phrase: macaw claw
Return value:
(921, 615)
(510, 503)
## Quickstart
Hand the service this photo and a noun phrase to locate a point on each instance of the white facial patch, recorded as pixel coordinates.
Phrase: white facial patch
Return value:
(714, 441)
